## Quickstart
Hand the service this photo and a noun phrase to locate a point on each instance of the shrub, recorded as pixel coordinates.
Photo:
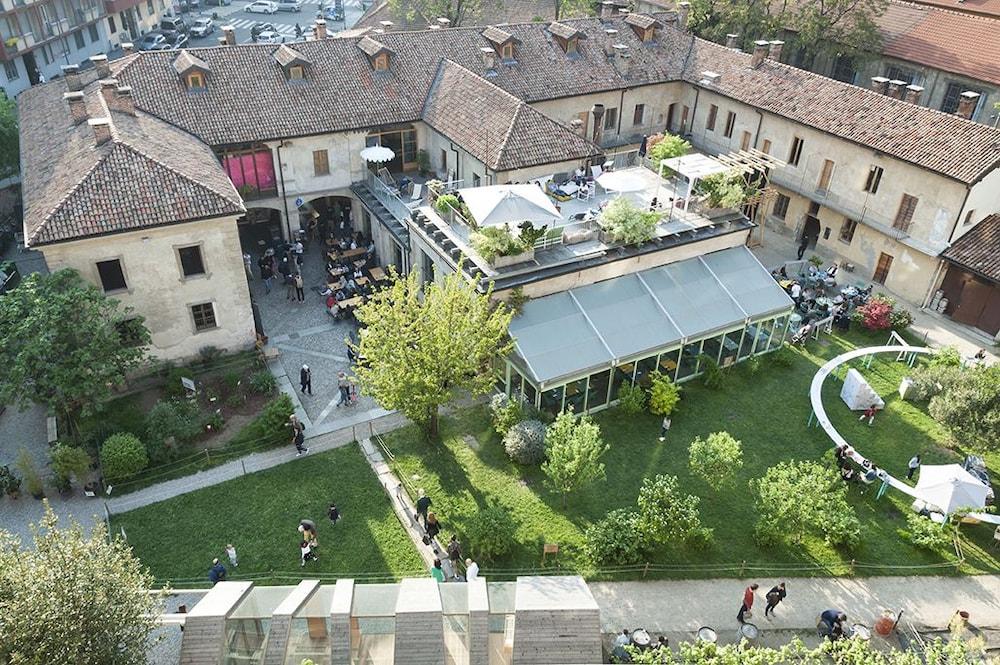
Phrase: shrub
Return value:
(631, 399)
(664, 395)
(726, 190)
(932, 380)
(270, 428)
(666, 146)
(262, 382)
(494, 241)
(172, 386)
(712, 376)
(445, 202)
(922, 532)
(752, 365)
(880, 313)
(900, 319)
(615, 540)
(123, 455)
(701, 539)
(209, 354)
(946, 356)
(212, 422)
(32, 479)
(69, 463)
(232, 380)
(627, 223)
(970, 407)
(505, 413)
(10, 484)
(574, 448)
(177, 419)
(716, 458)
(666, 515)
(490, 532)
(516, 300)
(525, 442)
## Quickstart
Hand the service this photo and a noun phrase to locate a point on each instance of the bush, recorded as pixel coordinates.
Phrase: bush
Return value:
(123, 455)
(631, 399)
(525, 442)
(932, 380)
(615, 540)
(232, 380)
(177, 419)
(922, 532)
(494, 241)
(752, 365)
(490, 532)
(32, 479)
(664, 395)
(970, 407)
(10, 484)
(880, 313)
(701, 539)
(900, 319)
(270, 428)
(666, 146)
(627, 223)
(716, 458)
(726, 190)
(209, 354)
(946, 356)
(262, 382)
(69, 463)
(712, 376)
(212, 422)
(172, 386)
(505, 413)
(665, 514)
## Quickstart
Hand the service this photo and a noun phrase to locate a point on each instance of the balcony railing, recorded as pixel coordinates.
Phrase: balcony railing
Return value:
(388, 198)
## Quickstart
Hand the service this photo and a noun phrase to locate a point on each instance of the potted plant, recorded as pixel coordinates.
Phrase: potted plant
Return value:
(32, 479)
(435, 187)
(499, 246)
(68, 463)
(423, 162)
(623, 222)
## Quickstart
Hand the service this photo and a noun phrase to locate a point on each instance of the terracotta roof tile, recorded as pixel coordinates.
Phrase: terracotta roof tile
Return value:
(496, 36)
(980, 7)
(563, 30)
(186, 61)
(979, 249)
(286, 55)
(643, 21)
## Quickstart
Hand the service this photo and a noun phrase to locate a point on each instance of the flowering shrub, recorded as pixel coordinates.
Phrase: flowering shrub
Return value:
(880, 313)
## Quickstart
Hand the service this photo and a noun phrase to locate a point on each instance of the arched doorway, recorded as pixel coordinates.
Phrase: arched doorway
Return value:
(332, 214)
(259, 229)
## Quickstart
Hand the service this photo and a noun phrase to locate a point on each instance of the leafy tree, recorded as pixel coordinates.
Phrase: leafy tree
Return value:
(716, 458)
(665, 514)
(10, 158)
(627, 223)
(804, 497)
(425, 342)
(666, 146)
(490, 532)
(73, 598)
(123, 455)
(615, 539)
(428, 11)
(574, 8)
(631, 399)
(69, 462)
(970, 407)
(664, 395)
(61, 343)
(505, 413)
(574, 448)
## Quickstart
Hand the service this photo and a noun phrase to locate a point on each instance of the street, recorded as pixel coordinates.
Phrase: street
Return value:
(283, 22)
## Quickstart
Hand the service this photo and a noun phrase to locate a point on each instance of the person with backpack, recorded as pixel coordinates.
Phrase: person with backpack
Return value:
(454, 550)
(299, 438)
(773, 597)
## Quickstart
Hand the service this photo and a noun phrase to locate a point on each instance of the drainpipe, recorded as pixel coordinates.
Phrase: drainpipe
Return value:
(694, 110)
(760, 122)
(284, 194)
(621, 112)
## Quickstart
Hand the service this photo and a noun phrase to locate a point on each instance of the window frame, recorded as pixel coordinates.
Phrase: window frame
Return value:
(795, 154)
(826, 176)
(381, 62)
(881, 274)
(321, 167)
(781, 201)
(190, 79)
(195, 316)
(713, 115)
(179, 253)
(847, 230)
(638, 115)
(296, 73)
(507, 51)
(124, 288)
(904, 213)
(874, 179)
(766, 147)
(730, 124)
(745, 141)
(610, 118)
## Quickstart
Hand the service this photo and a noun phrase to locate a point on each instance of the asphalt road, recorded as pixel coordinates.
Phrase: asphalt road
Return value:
(284, 22)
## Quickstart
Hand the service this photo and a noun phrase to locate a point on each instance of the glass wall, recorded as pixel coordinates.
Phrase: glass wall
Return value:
(730, 347)
(748, 341)
(309, 635)
(576, 395)
(622, 374)
(247, 626)
(778, 333)
(643, 369)
(597, 394)
(712, 347)
(373, 623)
(251, 171)
(501, 621)
(668, 363)
(552, 400)
(455, 614)
(688, 365)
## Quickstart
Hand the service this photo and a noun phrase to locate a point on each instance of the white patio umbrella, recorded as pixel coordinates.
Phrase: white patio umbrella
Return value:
(949, 487)
(621, 182)
(502, 204)
(377, 154)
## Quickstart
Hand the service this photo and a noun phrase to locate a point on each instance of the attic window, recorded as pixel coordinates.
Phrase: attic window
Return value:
(195, 81)
(507, 51)
(296, 73)
(573, 45)
(381, 62)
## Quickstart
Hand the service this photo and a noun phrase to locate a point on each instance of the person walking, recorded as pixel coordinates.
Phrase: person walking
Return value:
(471, 570)
(333, 513)
(344, 385)
(774, 596)
(748, 596)
(437, 572)
(266, 265)
(433, 526)
(231, 553)
(306, 553)
(803, 246)
(423, 504)
(306, 380)
(217, 573)
(664, 427)
(300, 293)
(454, 550)
(299, 439)
(912, 466)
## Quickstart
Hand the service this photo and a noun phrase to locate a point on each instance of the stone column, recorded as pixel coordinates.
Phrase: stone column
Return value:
(478, 637)
(419, 624)
(340, 623)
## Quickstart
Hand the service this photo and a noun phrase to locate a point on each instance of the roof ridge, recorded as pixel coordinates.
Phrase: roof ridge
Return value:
(502, 147)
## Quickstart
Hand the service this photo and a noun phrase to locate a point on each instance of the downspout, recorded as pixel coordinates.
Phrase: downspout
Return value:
(694, 111)
(284, 194)
(621, 112)
(760, 123)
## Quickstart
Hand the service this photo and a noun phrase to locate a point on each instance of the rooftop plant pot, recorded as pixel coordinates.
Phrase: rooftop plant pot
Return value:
(513, 259)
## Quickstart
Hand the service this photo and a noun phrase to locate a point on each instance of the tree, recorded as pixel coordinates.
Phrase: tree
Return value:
(970, 407)
(666, 146)
(665, 514)
(663, 395)
(627, 223)
(574, 448)
(420, 349)
(10, 157)
(716, 458)
(800, 498)
(65, 344)
(73, 598)
(428, 11)
(574, 8)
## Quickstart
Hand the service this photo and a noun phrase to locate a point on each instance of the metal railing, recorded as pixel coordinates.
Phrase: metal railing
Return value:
(388, 198)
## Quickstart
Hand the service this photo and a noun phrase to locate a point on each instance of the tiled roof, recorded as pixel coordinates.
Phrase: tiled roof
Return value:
(496, 36)
(979, 249)
(495, 127)
(186, 61)
(149, 174)
(563, 30)
(370, 46)
(980, 7)
(643, 21)
(286, 55)
(947, 40)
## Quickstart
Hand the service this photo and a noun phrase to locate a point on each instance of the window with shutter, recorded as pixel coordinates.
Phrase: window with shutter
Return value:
(904, 216)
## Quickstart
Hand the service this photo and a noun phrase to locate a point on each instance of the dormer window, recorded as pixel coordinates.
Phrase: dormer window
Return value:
(567, 37)
(379, 55)
(195, 81)
(293, 62)
(507, 51)
(572, 46)
(502, 42)
(381, 62)
(643, 26)
(296, 72)
(192, 71)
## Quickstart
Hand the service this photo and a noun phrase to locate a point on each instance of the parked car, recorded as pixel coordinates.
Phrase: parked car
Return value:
(290, 5)
(202, 27)
(218, 3)
(189, 5)
(269, 37)
(153, 41)
(177, 41)
(259, 28)
(170, 24)
(262, 7)
(334, 12)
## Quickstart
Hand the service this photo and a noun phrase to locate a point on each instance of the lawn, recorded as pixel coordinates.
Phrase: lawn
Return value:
(260, 513)
(768, 411)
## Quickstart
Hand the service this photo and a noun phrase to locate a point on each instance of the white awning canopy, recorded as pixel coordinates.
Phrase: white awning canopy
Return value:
(509, 204)
(621, 181)
(694, 167)
(949, 487)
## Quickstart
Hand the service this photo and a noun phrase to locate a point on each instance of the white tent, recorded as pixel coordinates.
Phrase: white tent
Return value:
(621, 181)
(949, 487)
(693, 167)
(857, 394)
(503, 204)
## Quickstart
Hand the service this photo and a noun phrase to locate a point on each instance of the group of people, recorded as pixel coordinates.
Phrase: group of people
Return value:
(773, 597)
(432, 527)
(218, 573)
(288, 266)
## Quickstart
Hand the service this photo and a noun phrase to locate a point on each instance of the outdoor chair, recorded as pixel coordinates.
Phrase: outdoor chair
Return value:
(586, 191)
(416, 196)
(596, 171)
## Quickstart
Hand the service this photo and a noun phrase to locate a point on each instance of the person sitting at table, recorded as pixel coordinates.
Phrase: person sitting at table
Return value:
(847, 474)
(333, 307)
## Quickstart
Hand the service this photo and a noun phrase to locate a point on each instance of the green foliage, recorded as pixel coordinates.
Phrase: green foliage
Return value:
(490, 532)
(212, 421)
(664, 394)
(716, 459)
(753, 365)
(423, 161)
(970, 407)
(712, 376)
(172, 386)
(505, 413)
(529, 235)
(726, 190)
(627, 223)
(10, 484)
(69, 463)
(932, 380)
(270, 428)
(666, 146)
(210, 354)
(783, 357)
(573, 447)
(517, 299)
(59, 345)
(615, 540)
(493, 241)
(458, 12)
(177, 419)
(816, 260)
(32, 479)
(946, 356)
(426, 342)
(798, 498)
(631, 399)
(665, 514)
(262, 382)
(922, 532)
(232, 380)
(123, 455)
(73, 598)
(446, 203)
(9, 138)
(525, 442)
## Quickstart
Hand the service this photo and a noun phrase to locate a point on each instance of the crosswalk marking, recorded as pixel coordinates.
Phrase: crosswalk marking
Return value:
(280, 28)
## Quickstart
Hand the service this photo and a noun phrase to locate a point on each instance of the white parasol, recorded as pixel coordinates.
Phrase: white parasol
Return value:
(621, 181)
(377, 154)
(949, 487)
(501, 204)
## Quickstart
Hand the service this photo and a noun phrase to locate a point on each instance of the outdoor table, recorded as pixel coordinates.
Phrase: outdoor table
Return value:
(353, 252)
(361, 281)
(352, 302)
(641, 638)
(822, 300)
(377, 274)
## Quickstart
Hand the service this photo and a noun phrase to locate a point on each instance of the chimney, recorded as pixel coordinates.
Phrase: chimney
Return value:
(775, 50)
(880, 84)
(102, 130)
(760, 49)
(683, 9)
(444, 22)
(223, 41)
(597, 110)
(124, 102)
(228, 35)
(607, 9)
(913, 93)
(386, 25)
(320, 31)
(102, 66)
(709, 77)
(967, 104)
(489, 58)
(896, 88)
(620, 59)
(72, 75)
(128, 48)
(731, 41)
(108, 87)
(77, 106)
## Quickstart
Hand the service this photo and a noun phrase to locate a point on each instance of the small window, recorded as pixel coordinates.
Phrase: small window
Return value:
(321, 162)
(191, 261)
(970, 217)
(112, 276)
(843, 68)
(766, 147)
(149, 8)
(904, 216)
(610, 118)
(204, 316)
(825, 176)
(874, 179)
(381, 62)
(93, 33)
(713, 112)
(10, 69)
(111, 24)
(507, 51)
(476, 180)
(78, 38)
(444, 160)
(847, 230)
(195, 81)
(639, 114)
(572, 45)
(745, 141)
(882, 269)
(894, 73)
(781, 206)
(730, 124)
(796, 152)
(296, 72)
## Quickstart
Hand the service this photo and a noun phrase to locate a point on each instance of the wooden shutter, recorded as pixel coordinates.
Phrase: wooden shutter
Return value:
(882, 269)
(824, 177)
(904, 216)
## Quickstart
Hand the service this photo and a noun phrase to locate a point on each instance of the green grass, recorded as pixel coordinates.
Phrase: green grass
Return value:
(768, 412)
(260, 513)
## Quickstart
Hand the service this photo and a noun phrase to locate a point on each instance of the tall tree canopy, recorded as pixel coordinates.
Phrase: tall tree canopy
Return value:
(428, 11)
(422, 343)
(9, 139)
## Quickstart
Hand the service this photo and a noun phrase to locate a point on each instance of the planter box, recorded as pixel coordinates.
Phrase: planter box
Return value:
(505, 261)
